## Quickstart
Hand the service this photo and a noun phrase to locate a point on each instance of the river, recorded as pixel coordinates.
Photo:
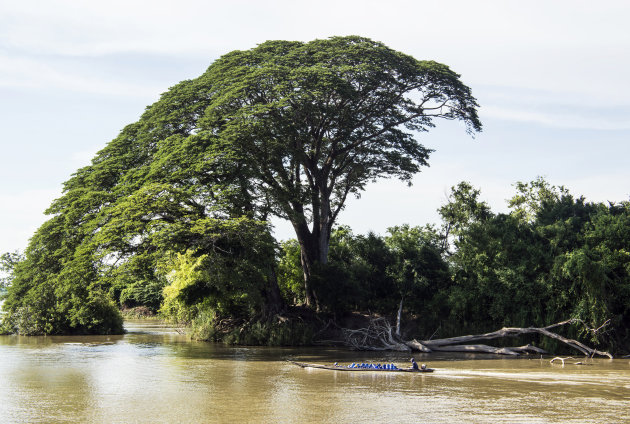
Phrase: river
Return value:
(153, 374)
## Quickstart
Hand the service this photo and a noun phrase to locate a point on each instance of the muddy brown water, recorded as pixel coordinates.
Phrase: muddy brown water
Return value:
(153, 374)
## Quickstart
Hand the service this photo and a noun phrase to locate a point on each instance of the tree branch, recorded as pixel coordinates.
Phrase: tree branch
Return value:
(377, 336)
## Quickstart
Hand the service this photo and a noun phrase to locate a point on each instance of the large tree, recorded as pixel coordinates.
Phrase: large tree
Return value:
(315, 122)
(287, 128)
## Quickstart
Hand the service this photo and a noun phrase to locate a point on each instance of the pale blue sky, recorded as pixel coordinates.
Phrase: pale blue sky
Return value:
(551, 78)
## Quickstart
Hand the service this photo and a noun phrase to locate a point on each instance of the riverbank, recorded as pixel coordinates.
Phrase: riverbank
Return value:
(138, 312)
(300, 326)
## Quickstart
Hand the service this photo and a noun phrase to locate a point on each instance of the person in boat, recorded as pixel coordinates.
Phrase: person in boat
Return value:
(414, 365)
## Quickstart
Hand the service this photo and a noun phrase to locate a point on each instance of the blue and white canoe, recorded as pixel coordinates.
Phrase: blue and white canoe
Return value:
(342, 368)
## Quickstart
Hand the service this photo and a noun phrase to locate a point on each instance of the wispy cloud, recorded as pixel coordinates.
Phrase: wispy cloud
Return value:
(21, 214)
(38, 73)
(533, 44)
(599, 120)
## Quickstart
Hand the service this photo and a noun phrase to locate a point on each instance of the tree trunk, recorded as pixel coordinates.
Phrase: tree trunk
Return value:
(308, 255)
(314, 250)
(315, 242)
(273, 299)
(323, 232)
(399, 317)
(449, 343)
(308, 270)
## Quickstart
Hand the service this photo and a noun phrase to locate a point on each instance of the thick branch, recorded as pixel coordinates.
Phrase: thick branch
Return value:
(378, 336)
(513, 332)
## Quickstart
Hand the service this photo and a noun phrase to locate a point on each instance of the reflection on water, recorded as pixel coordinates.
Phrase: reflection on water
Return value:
(154, 374)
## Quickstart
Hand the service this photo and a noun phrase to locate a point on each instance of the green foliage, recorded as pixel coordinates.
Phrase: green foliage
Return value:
(204, 325)
(228, 281)
(495, 273)
(373, 273)
(289, 333)
(369, 260)
(207, 325)
(156, 190)
(462, 209)
(46, 310)
(420, 273)
(54, 290)
(290, 273)
(185, 276)
(531, 197)
(8, 262)
(312, 123)
(142, 293)
(551, 258)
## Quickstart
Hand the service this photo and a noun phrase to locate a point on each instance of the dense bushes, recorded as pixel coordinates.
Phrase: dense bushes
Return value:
(373, 274)
(552, 257)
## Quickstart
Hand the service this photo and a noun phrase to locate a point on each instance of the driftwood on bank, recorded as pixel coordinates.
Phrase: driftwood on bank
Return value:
(557, 358)
(379, 335)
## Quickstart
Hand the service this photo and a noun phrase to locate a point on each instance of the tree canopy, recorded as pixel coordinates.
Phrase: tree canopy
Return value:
(551, 257)
(287, 128)
(315, 122)
(8, 261)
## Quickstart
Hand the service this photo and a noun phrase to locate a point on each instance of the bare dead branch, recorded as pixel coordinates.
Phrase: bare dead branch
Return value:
(557, 358)
(379, 336)
(512, 332)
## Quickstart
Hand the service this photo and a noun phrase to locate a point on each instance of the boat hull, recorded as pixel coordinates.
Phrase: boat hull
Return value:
(338, 368)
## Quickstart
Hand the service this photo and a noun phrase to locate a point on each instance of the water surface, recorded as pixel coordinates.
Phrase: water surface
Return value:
(153, 374)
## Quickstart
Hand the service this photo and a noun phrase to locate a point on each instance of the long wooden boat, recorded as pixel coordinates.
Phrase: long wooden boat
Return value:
(341, 368)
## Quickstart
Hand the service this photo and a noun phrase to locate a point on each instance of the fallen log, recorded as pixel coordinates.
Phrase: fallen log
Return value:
(416, 345)
(378, 336)
(557, 358)
(529, 348)
(436, 344)
(477, 348)
(482, 348)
